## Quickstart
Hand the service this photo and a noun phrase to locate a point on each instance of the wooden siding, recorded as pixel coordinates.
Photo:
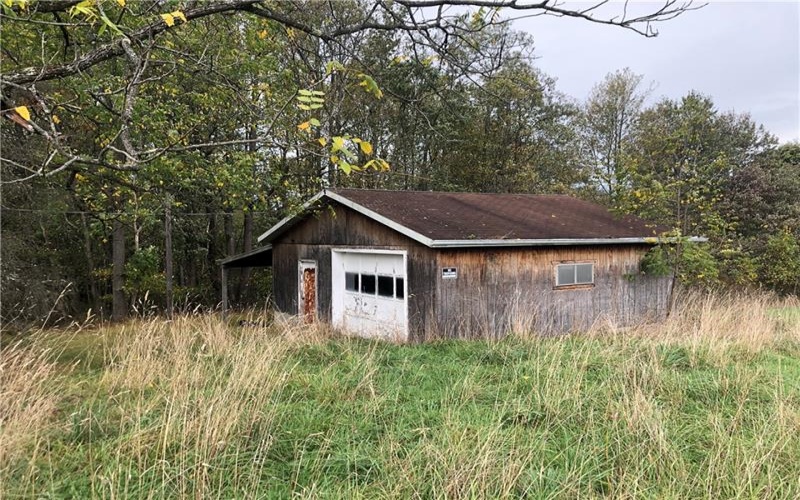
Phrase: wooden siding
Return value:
(340, 227)
(502, 290)
(496, 290)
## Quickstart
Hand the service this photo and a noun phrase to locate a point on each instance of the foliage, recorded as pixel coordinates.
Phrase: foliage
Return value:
(780, 263)
(682, 155)
(656, 262)
(697, 265)
(143, 273)
(690, 262)
(608, 121)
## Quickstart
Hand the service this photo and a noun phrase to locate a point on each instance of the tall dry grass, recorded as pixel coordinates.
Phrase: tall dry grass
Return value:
(200, 408)
(29, 396)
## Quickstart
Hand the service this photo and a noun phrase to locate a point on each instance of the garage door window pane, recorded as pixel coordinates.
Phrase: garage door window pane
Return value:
(400, 289)
(351, 282)
(368, 284)
(385, 286)
(566, 275)
(583, 273)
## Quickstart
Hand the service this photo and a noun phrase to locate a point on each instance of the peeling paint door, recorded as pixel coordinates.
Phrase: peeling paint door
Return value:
(307, 286)
(369, 294)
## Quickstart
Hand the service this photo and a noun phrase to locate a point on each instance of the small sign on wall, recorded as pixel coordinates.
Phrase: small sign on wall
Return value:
(449, 273)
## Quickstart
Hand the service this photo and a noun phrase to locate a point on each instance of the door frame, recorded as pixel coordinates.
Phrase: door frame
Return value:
(302, 265)
(337, 282)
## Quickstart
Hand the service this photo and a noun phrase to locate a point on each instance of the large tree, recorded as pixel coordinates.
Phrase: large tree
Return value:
(608, 122)
(683, 154)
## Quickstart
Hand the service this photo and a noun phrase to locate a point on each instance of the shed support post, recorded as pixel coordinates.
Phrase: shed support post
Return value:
(224, 291)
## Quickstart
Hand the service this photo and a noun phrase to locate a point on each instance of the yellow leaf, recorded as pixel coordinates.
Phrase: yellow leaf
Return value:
(179, 15)
(262, 34)
(121, 3)
(23, 112)
(56, 119)
(323, 141)
(169, 19)
(304, 126)
(366, 147)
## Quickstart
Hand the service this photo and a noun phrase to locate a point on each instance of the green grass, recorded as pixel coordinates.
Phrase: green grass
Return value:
(790, 314)
(196, 409)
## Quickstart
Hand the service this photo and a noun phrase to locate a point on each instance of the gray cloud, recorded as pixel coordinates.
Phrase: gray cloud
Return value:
(745, 55)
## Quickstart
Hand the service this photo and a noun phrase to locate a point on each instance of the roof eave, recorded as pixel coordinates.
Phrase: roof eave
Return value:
(289, 221)
(235, 260)
(381, 219)
(474, 243)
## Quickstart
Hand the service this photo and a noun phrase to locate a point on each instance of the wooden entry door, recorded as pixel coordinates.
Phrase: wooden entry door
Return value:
(307, 286)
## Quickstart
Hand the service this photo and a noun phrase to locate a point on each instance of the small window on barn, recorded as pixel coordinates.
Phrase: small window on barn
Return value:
(351, 282)
(368, 284)
(574, 274)
(400, 288)
(385, 286)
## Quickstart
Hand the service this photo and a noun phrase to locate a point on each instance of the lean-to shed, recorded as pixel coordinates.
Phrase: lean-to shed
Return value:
(410, 265)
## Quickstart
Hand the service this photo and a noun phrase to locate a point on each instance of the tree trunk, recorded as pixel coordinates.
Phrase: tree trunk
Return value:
(212, 254)
(244, 277)
(168, 255)
(230, 248)
(94, 292)
(119, 307)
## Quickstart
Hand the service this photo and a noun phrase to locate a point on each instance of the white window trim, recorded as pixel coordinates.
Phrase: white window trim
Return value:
(575, 274)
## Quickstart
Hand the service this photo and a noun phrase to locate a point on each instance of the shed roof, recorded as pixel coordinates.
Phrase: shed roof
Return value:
(457, 216)
(438, 219)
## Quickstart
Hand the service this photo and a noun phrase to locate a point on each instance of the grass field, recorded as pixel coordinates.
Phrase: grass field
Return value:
(705, 405)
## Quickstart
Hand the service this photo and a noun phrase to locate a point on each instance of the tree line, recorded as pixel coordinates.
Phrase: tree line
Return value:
(131, 128)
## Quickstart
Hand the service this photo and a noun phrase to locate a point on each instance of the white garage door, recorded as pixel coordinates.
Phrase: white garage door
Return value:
(369, 293)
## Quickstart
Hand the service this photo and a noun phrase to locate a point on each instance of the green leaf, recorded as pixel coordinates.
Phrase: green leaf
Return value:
(107, 22)
(332, 66)
(314, 122)
(344, 166)
(369, 85)
(86, 8)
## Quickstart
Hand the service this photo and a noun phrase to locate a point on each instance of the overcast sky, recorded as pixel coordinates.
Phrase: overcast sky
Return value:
(745, 55)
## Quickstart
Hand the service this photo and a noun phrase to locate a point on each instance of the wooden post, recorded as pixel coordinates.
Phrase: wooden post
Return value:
(168, 255)
(224, 291)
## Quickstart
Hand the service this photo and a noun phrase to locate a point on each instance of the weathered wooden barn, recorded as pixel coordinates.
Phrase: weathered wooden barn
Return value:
(409, 266)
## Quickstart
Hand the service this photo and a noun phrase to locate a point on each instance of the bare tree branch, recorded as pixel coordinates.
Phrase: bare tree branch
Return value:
(388, 20)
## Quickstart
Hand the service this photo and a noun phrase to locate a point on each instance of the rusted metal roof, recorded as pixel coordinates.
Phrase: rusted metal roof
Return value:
(485, 216)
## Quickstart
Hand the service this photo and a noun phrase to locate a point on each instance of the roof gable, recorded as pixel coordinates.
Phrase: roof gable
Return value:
(438, 219)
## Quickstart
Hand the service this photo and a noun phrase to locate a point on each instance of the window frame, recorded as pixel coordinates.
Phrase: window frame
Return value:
(575, 284)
